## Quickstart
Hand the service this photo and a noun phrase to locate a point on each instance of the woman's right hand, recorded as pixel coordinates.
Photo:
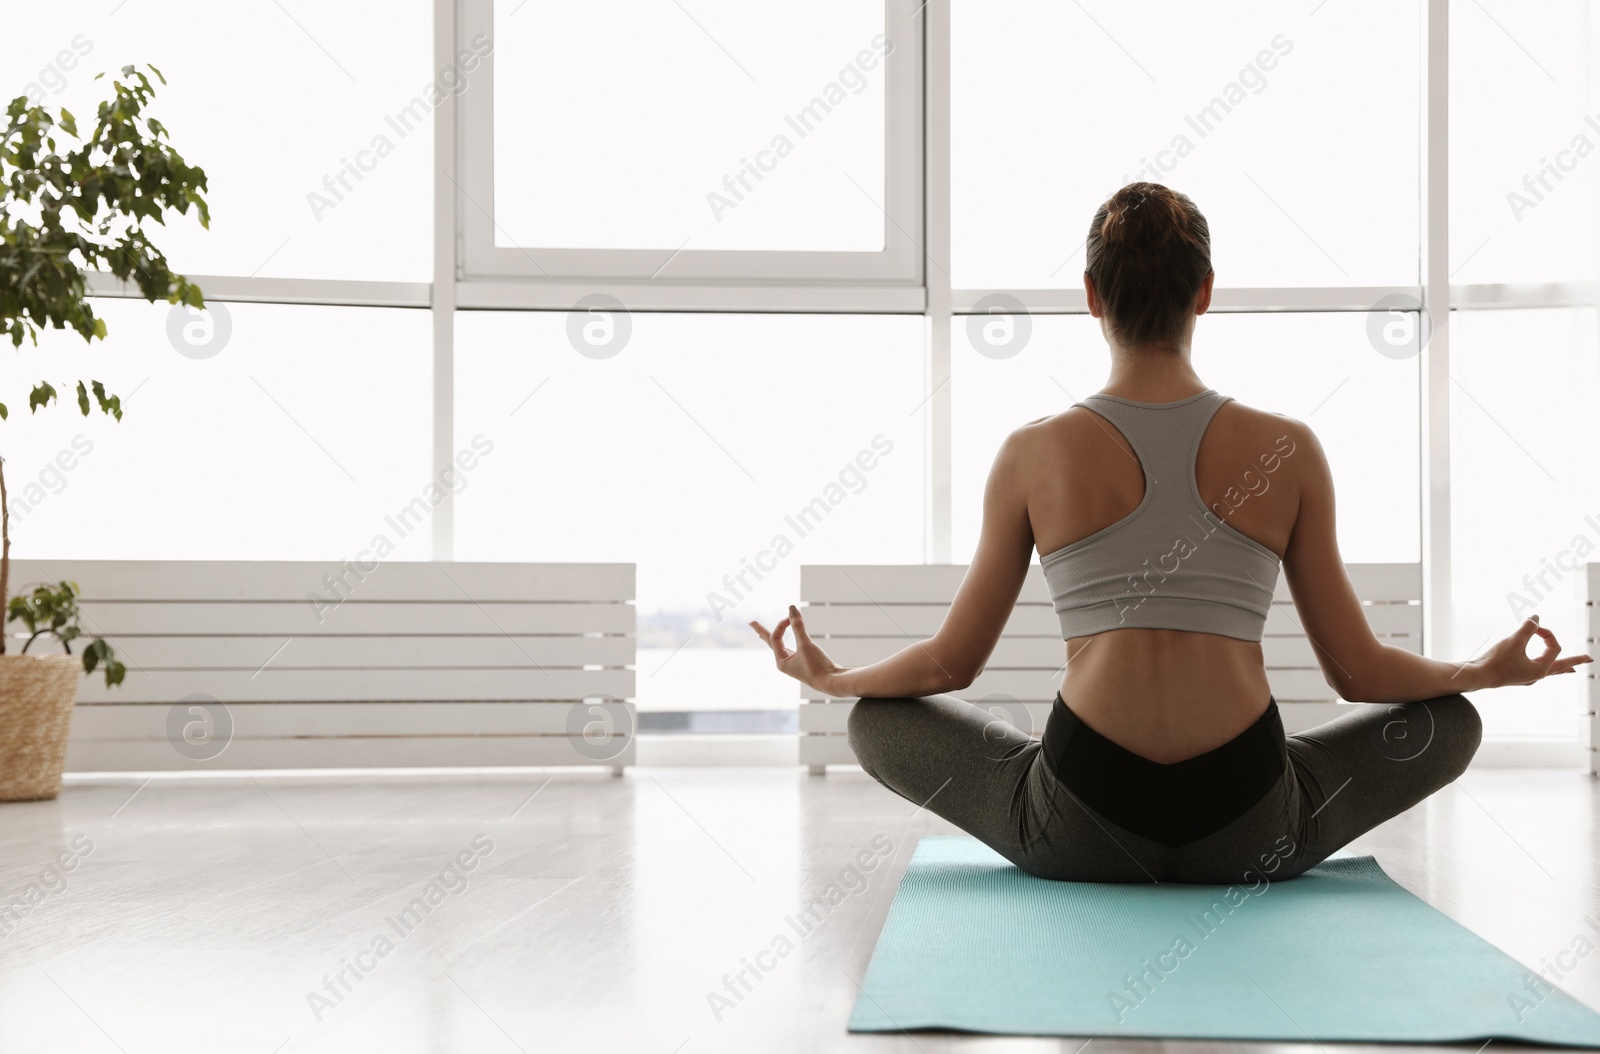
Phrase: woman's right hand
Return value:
(1507, 662)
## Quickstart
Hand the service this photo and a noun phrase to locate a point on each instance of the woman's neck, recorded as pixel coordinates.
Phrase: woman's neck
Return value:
(1152, 374)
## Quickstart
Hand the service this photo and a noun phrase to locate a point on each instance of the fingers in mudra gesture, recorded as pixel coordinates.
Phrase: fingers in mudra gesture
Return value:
(806, 662)
(1508, 661)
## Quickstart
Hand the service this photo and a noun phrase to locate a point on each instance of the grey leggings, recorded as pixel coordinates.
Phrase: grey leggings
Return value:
(1340, 780)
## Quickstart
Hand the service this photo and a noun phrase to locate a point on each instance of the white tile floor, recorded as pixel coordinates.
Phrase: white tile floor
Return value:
(597, 914)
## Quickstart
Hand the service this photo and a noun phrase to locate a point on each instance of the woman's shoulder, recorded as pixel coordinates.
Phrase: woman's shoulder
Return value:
(1255, 421)
(1072, 425)
(1053, 444)
(1244, 433)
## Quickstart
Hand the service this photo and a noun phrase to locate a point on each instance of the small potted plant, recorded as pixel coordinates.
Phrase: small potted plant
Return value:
(66, 212)
(37, 692)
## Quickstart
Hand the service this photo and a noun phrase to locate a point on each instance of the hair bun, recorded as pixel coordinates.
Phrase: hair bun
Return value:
(1148, 251)
(1141, 213)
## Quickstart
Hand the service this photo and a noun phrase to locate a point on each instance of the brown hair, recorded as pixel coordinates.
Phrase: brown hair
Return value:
(1148, 251)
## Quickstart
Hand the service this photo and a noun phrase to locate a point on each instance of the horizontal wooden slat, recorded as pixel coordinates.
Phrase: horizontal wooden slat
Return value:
(1010, 653)
(1049, 653)
(828, 716)
(1297, 650)
(1024, 685)
(401, 580)
(355, 752)
(1039, 620)
(1040, 686)
(831, 717)
(899, 583)
(918, 620)
(1300, 686)
(149, 721)
(297, 619)
(937, 583)
(371, 652)
(1374, 583)
(273, 685)
(1299, 716)
(826, 750)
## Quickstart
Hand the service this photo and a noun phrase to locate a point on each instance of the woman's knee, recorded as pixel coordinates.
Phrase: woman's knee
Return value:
(1445, 731)
(1460, 726)
(871, 726)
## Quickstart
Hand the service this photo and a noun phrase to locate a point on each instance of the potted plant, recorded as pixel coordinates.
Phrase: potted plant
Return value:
(67, 211)
(37, 692)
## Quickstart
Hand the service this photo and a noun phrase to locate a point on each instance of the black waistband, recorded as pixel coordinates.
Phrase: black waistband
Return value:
(1171, 804)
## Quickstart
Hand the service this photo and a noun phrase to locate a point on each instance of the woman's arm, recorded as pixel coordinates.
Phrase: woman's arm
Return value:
(956, 654)
(1356, 664)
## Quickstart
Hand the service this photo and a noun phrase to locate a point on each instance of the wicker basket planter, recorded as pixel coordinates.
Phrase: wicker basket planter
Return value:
(36, 697)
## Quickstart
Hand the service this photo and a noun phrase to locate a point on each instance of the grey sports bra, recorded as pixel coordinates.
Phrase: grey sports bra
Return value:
(1171, 563)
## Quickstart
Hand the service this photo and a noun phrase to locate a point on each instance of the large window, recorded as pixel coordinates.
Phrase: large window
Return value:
(719, 452)
(313, 122)
(719, 141)
(1293, 127)
(1524, 181)
(1527, 499)
(667, 136)
(688, 269)
(250, 432)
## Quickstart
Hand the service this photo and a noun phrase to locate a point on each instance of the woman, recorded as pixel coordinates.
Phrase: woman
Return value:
(1161, 511)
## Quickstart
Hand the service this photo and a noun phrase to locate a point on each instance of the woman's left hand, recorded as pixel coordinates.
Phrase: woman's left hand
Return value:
(806, 663)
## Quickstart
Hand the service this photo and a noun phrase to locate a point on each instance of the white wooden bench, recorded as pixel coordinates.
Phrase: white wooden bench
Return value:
(417, 664)
(864, 613)
(1591, 603)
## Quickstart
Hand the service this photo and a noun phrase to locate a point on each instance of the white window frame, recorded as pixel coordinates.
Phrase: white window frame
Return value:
(691, 278)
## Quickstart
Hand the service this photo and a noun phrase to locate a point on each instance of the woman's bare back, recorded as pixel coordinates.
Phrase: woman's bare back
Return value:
(1164, 694)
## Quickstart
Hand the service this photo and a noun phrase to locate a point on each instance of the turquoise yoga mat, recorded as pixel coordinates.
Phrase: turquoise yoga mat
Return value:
(1340, 953)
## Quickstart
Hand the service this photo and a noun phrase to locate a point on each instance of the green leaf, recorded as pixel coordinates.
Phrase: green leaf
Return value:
(83, 399)
(74, 200)
(53, 610)
(109, 404)
(98, 652)
(4, 413)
